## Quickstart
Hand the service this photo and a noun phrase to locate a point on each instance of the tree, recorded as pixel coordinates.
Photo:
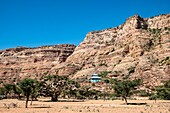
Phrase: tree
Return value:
(84, 92)
(2, 93)
(53, 85)
(18, 91)
(93, 94)
(71, 90)
(124, 88)
(9, 89)
(163, 92)
(27, 85)
(35, 91)
(153, 96)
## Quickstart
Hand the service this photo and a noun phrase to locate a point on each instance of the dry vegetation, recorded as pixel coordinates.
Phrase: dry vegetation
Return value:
(88, 106)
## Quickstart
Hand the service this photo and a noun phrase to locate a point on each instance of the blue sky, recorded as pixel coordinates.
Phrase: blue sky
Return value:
(34, 23)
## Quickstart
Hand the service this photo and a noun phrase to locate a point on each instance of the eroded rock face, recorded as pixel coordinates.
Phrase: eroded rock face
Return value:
(139, 48)
(22, 62)
(139, 44)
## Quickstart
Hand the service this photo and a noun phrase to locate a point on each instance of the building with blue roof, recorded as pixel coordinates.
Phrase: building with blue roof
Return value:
(95, 78)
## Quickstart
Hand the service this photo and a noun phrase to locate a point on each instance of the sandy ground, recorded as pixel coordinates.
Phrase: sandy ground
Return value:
(88, 106)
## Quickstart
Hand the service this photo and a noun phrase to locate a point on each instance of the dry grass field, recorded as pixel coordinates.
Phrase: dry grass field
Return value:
(88, 106)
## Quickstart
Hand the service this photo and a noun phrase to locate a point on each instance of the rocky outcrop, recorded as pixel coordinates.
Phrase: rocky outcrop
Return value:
(140, 45)
(139, 48)
(22, 62)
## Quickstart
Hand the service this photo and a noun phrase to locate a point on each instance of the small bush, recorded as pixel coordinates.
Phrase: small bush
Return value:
(103, 64)
(143, 93)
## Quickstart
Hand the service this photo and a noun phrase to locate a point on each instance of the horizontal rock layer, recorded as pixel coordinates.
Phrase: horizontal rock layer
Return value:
(140, 44)
(139, 48)
(23, 62)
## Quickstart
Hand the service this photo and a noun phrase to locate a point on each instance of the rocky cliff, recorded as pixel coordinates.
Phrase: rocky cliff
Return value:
(139, 48)
(22, 62)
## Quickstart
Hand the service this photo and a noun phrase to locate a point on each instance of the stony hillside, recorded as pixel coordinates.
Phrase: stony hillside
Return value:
(22, 62)
(139, 48)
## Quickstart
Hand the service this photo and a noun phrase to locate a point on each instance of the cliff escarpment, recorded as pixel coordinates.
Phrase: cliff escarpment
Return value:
(139, 48)
(22, 62)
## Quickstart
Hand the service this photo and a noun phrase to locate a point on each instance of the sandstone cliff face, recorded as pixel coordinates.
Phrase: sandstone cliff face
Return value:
(22, 62)
(139, 48)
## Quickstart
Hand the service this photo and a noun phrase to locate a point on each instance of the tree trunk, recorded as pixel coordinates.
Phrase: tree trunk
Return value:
(104, 96)
(31, 101)
(19, 96)
(54, 97)
(27, 99)
(125, 100)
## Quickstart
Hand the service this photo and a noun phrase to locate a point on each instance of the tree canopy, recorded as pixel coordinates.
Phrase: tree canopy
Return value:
(54, 85)
(163, 92)
(27, 86)
(124, 88)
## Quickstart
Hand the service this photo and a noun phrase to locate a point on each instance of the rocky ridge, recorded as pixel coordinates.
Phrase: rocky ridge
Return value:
(139, 48)
(22, 62)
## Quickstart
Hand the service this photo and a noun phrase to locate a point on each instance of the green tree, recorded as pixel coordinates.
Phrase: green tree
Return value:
(153, 96)
(53, 86)
(163, 92)
(26, 85)
(104, 74)
(93, 94)
(9, 89)
(84, 91)
(18, 91)
(35, 91)
(2, 93)
(12, 90)
(124, 88)
(71, 89)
